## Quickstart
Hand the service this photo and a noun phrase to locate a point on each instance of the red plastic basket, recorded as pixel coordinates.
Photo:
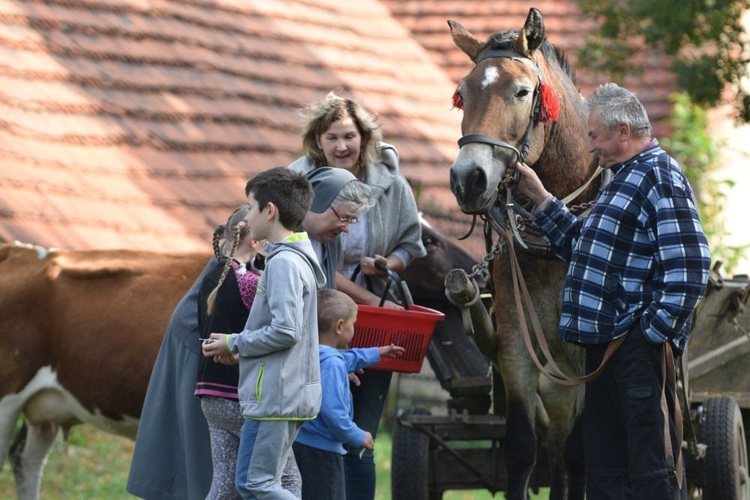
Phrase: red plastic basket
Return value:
(411, 329)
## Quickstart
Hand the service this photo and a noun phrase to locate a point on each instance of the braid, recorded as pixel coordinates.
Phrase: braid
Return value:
(218, 233)
(211, 300)
(227, 266)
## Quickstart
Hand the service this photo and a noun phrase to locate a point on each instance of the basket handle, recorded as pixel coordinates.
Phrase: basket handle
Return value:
(393, 277)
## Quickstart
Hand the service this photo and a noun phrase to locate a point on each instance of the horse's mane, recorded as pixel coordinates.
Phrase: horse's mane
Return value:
(504, 40)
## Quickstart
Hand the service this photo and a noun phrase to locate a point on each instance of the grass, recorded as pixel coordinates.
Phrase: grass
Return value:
(94, 465)
(90, 465)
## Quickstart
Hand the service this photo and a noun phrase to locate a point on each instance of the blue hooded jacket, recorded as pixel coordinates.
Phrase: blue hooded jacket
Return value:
(334, 426)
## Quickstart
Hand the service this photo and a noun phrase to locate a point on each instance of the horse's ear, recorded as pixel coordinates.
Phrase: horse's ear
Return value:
(464, 40)
(533, 33)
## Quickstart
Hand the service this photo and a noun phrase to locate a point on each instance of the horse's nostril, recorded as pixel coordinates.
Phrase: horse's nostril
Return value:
(468, 186)
(455, 184)
(477, 181)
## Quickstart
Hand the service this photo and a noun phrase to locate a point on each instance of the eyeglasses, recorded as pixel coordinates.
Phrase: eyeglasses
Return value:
(347, 219)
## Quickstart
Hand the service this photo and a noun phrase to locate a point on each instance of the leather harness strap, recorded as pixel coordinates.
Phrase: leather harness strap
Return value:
(668, 370)
(521, 292)
(536, 103)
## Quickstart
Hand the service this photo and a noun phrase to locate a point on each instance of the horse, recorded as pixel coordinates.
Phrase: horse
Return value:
(520, 103)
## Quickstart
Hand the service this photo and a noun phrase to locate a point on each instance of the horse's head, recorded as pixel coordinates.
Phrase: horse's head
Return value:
(509, 105)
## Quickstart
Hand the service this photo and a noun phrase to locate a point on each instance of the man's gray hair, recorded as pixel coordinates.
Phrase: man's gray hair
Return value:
(617, 105)
(356, 194)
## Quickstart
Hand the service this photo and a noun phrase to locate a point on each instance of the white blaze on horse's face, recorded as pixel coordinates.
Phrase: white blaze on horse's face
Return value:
(491, 75)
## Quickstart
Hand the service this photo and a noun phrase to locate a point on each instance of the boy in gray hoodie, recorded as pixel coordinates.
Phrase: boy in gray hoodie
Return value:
(279, 387)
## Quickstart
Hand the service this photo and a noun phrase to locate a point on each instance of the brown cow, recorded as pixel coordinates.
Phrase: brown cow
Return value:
(80, 330)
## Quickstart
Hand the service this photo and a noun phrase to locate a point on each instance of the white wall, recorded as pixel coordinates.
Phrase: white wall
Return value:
(735, 155)
(736, 166)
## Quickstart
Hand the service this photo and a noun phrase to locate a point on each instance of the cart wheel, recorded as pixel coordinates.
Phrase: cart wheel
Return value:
(410, 465)
(726, 475)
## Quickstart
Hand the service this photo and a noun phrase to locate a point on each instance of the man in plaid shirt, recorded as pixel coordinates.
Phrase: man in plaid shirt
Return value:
(639, 264)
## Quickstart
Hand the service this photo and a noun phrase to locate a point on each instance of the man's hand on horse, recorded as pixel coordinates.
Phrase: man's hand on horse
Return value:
(530, 186)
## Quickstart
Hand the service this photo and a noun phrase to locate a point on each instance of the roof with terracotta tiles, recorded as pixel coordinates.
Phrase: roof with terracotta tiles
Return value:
(135, 124)
(565, 27)
(126, 123)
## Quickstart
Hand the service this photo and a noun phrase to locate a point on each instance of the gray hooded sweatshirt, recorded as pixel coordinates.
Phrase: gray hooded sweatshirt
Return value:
(279, 365)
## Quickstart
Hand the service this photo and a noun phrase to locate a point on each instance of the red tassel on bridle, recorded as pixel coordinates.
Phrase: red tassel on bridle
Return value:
(458, 101)
(549, 108)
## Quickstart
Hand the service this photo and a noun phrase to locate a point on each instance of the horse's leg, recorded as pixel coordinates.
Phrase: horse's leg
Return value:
(520, 434)
(562, 404)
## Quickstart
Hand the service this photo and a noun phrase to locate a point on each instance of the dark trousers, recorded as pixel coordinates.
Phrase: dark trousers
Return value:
(623, 424)
(322, 473)
(369, 400)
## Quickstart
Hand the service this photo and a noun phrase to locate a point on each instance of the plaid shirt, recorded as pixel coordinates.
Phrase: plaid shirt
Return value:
(640, 255)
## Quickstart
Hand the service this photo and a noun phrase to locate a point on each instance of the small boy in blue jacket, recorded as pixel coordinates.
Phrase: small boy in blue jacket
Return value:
(319, 447)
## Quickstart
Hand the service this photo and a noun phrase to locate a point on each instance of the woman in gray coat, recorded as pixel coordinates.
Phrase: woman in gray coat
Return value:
(340, 133)
(172, 456)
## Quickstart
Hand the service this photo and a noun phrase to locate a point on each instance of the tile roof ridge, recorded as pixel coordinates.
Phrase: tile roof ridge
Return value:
(60, 50)
(117, 32)
(125, 172)
(145, 88)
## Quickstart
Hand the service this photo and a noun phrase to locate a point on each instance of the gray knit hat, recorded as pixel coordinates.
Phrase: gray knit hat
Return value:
(326, 183)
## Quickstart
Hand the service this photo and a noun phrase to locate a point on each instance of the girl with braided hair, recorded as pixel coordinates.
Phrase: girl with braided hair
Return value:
(242, 250)
(224, 302)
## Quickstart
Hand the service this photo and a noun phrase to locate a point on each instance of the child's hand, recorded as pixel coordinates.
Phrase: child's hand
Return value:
(369, 442)
(215, 345)
(227, 359)
(354, 379)
(391, 351)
